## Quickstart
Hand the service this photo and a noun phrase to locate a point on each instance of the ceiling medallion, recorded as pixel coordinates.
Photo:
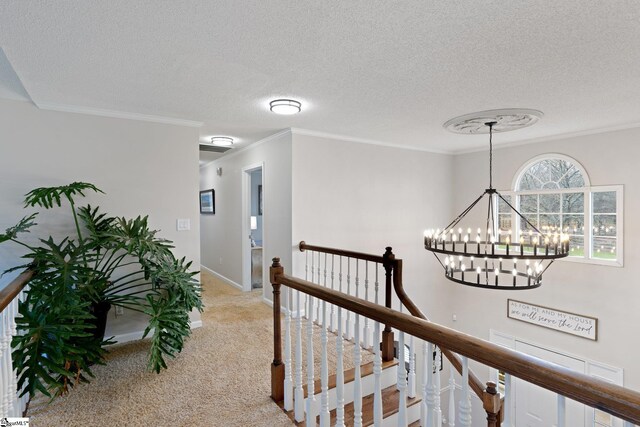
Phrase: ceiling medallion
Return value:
(505, 119)
(494, 257)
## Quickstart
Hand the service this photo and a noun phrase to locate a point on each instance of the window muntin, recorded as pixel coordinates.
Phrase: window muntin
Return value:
(553, 193)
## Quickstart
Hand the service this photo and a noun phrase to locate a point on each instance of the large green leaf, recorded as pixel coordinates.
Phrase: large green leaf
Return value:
(48, 197)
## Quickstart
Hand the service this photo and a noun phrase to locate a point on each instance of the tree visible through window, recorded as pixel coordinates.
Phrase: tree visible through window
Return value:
(554, 195)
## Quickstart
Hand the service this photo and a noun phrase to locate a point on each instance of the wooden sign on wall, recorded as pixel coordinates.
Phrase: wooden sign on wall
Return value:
(570, 323)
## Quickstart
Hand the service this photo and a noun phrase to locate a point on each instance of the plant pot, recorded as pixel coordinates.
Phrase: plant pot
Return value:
(100, 310)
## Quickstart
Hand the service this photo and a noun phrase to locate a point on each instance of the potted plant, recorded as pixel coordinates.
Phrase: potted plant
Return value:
(110, 261)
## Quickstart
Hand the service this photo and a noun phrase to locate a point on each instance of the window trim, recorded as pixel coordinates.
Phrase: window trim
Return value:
(549, 156)
(588, 191)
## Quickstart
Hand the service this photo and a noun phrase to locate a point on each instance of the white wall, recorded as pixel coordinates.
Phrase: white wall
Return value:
(221, 234)
(365, 197)
(144, 168)
(607, 293)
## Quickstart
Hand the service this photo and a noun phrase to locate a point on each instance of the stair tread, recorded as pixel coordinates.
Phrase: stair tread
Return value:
(349, 376)
(390, 400)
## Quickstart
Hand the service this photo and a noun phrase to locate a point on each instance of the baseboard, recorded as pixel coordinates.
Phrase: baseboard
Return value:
(221, 277)
(135, 336)
(294, 313)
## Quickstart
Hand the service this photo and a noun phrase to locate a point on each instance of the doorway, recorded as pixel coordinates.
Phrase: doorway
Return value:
(533, 406)
(253, 227)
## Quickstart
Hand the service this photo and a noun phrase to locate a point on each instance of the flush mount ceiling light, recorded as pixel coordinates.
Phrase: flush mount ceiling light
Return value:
(285, 106)
(222, 141)
(493, 257)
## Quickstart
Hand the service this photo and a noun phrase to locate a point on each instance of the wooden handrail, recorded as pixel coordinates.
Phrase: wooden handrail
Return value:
(9, 292)
(615, 400)
(474, 381)
(303, 246)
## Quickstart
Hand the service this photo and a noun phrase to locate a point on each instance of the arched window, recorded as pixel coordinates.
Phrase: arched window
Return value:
(551, 174)
(554, 193)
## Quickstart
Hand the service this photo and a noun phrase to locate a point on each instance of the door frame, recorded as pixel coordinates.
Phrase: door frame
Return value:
(593, 368)
(246, 223)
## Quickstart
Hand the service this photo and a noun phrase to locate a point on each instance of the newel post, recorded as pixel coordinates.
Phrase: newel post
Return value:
(492, 404)
(387, 333)
(277, 367)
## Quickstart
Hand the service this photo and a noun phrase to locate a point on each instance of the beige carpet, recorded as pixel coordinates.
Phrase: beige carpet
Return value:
(222, 377)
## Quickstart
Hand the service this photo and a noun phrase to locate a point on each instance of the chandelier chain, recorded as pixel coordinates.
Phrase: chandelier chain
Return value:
(490, 124)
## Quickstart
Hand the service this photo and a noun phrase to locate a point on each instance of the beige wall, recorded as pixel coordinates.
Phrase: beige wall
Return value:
(144, 168)
(607, 293)
(365, 197)
(221, 234)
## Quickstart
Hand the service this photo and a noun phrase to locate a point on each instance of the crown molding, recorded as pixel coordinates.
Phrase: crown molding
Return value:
(249, 147)
(567, 135)
(307, 132)
(116, 114)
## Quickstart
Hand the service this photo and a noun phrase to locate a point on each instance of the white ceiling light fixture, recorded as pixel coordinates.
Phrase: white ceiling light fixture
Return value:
(285, 106)
(222, 141)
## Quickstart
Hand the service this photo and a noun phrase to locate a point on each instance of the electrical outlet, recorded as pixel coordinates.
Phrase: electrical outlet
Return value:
(220, 260)
(119, 310)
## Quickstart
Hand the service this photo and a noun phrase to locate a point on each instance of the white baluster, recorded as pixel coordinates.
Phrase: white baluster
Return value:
(306, 277)
(366, 343)
(411, 391)
(377, 372)
(288, 382)
(340, 363)
(324, 372)
(357, 340)
(465, 402)
(310, 310)
(437, 411)
(425, 372)
(299, 391)
(4, 383)
(429, 392)
(332, 324)
(376, 284)
(452, 398)
(348, 321)
(357, 361)
(324, 277)
(311, 398)
(318, 318)
(507, 401)
(13, 388)
(402, 383)
(562, 411)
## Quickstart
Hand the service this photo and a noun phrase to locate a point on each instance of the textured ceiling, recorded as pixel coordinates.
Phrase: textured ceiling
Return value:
(384, 71)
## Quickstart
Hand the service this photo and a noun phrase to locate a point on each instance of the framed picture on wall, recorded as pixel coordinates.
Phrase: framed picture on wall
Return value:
(208, 202)
(259, 199)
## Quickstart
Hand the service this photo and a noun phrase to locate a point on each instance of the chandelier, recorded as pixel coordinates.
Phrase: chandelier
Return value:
(491, 257)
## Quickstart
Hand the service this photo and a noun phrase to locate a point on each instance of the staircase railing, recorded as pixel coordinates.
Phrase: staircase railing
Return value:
(287, 384)
(393, 283)
(11, 405)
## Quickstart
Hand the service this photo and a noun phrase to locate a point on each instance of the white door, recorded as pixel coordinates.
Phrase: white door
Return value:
(537, 407)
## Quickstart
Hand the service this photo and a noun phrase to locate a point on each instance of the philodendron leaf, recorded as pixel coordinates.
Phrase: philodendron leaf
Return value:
(48, 197)
(21, 227)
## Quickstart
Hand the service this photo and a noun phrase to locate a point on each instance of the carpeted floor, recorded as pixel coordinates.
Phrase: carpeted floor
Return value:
(222, 377)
